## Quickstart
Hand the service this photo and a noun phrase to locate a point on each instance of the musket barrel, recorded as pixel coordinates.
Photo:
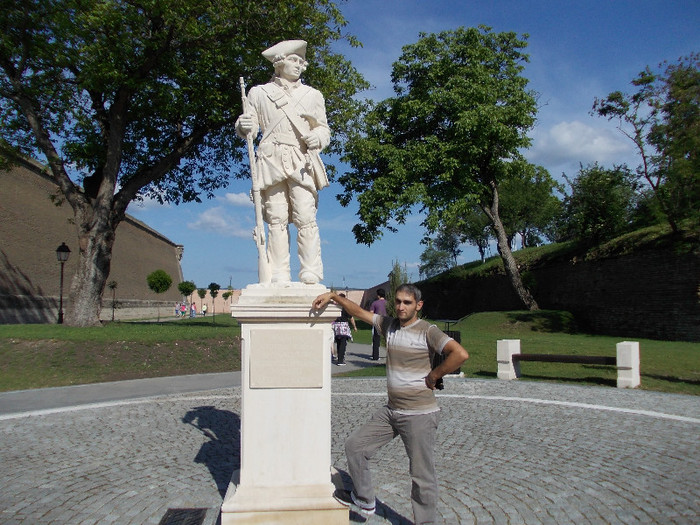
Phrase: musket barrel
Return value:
(264, 273)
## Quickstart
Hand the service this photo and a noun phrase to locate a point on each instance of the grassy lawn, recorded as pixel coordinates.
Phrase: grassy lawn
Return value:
(36, 356)
(666, 366)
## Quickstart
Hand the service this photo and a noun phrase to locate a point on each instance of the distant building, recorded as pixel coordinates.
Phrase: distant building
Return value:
(32, 227)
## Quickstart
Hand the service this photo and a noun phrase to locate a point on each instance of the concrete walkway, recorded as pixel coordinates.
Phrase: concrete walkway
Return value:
(162, 452)
(357, 356)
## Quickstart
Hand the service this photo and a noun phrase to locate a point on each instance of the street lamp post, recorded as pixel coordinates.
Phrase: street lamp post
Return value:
(62, 254)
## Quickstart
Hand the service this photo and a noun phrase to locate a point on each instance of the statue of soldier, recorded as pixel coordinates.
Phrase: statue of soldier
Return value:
(291, 118)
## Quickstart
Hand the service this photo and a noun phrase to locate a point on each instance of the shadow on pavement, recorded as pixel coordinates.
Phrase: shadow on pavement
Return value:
(221, 454)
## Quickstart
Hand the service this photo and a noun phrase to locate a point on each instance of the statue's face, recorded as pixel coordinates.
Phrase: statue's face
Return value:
(291, 68)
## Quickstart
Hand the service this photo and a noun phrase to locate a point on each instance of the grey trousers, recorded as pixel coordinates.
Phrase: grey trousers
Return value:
(418, 435)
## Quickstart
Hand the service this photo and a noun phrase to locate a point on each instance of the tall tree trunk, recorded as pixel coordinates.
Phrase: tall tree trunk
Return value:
(96, 234)
(504, 251)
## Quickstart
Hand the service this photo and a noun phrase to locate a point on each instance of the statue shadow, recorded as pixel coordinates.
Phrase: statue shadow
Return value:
(222, 453)
(341, 479)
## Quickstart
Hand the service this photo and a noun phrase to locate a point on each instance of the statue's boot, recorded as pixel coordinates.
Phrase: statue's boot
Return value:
(309, 249)
(278, 253)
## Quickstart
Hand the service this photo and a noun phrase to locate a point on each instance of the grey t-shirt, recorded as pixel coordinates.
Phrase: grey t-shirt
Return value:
(409, 352)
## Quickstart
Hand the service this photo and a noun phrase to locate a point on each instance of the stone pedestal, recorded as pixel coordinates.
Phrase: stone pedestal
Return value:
(285, 474)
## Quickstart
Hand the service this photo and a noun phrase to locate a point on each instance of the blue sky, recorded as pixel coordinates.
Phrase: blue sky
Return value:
(579, 50)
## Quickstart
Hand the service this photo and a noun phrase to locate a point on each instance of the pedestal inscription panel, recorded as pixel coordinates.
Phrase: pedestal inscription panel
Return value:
(286, 358)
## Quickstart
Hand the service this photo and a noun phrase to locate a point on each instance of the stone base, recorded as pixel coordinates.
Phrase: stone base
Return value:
(285, 505)
(301, 517)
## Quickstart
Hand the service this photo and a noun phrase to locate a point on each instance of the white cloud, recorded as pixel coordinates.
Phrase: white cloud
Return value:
(239, 199)
(575, 142)
(215, 220)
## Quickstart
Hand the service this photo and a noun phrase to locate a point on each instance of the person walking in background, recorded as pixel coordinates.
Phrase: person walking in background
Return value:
(204, 310)
(193, 311)
(341, 329)
(377, 307)
(412, 410)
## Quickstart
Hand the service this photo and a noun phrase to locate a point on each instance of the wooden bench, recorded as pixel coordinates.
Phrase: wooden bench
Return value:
(626, 360)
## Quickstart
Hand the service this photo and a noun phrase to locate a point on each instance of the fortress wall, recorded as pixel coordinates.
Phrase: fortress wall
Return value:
(653, 294)
(32, 227)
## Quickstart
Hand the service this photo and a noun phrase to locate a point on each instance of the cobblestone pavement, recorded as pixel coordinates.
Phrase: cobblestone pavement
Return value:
(508, 452)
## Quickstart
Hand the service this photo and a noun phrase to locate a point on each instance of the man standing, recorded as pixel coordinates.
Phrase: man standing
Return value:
(292, 119)
(412, 410)
(377, 307)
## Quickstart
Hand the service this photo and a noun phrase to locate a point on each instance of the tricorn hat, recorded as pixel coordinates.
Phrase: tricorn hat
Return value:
(285, 48)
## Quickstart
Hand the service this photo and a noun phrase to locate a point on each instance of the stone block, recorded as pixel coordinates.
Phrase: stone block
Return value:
(628, 364)
(505, 348)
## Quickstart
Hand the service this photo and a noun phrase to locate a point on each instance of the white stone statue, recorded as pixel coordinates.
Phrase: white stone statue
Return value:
(290, 119)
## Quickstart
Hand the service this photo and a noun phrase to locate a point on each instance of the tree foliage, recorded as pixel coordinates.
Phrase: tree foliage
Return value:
(447, 140)
(433, 261)
(662, 117)
(530, 206)
(600, 206)
(129, 100)
(159, 281)
(442, 249)
(397, 277)
(214, 292)
(186, 288)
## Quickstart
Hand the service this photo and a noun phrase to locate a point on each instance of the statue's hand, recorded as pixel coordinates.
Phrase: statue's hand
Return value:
(245, 123)
(312, 141)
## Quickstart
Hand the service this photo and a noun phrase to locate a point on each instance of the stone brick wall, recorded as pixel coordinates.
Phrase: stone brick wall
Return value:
(652, 294)
(32, 227)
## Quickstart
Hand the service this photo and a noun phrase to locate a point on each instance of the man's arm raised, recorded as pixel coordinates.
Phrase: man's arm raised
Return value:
(346, 304)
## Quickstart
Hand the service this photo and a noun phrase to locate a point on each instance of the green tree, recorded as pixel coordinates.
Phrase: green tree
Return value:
(214, 292)
(662, 118)
(677, 138)
(433, 261)
(475, 227)
(529, 206)
(601, 204)
(127, 100)
(187, 288)
(397, 277)
(159, 282)
(202, 293)
(447, 140)
(442, 249)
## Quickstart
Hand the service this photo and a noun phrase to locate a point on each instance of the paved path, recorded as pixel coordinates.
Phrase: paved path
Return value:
(508, 452)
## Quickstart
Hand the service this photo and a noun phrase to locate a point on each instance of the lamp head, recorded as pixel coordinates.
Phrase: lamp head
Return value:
(62, 252)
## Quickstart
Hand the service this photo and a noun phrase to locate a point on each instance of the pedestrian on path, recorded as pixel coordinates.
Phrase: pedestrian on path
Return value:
(342, 333)
(412, 411)
(377, 307)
